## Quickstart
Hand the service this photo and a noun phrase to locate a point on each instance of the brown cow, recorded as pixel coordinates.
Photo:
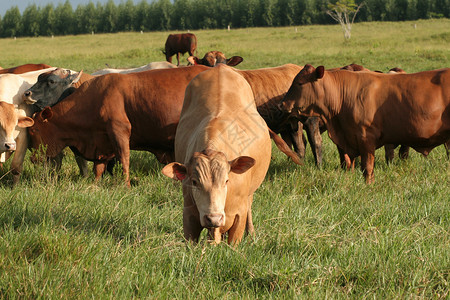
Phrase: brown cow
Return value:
(111, 114)
(24, 68)
(213, 58)
(180, 43)
(365, 110)
(50, 88)
(222, 149)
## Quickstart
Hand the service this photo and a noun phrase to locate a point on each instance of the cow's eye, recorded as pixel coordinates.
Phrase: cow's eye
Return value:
(51, 81)
(194, 182)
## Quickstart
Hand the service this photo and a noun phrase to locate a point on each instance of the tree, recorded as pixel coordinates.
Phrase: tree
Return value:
(342, 11)
(47, 20)
(30, 21)
(11, 22)
(65, 21)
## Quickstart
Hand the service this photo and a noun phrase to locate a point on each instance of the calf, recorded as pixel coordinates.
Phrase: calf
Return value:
(180, 43)
(365, 110)
(222, 149)
(10, 118)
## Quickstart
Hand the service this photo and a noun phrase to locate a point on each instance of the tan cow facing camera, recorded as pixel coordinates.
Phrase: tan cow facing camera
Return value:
(222, 153)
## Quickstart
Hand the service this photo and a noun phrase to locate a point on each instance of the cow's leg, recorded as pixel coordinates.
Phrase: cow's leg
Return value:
(447, 148)
(215, 235)
(289, 138)
(19, 155)
(299, 140)
(178, 58)
(404, 152)
(82, 165)
(367, 163)
(389, 152)
(249, 228)
(119, 132)
(236, 231)
(315, 139)
(56, 161)
(99, 168)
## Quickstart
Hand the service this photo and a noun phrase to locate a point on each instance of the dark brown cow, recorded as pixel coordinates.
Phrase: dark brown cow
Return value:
(180, 43)
(111, 114)
(24, 68)
(213, 58)
(366, 110)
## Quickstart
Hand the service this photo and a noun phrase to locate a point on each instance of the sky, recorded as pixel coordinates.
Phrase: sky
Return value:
(22, 4)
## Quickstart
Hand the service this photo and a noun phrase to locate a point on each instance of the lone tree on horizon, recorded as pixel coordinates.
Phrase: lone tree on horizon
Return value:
(342, 11)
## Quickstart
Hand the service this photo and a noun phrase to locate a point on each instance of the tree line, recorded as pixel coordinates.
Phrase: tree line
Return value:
(160, 15)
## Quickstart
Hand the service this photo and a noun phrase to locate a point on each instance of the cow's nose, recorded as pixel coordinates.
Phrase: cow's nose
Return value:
(10, 146)
(214, 220)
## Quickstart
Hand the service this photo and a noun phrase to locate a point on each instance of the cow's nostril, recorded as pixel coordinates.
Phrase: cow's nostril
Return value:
(214, 220)
(10, 146)
(27, 93)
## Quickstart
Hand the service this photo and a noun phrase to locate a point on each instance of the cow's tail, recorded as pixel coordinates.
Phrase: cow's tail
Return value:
(281, 144)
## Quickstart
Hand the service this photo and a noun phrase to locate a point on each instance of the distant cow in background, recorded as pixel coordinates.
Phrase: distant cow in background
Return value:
(24, 68)
(180, 43)
(213, 58)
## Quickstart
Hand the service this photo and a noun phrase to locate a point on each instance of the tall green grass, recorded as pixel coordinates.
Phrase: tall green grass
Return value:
(320, 233)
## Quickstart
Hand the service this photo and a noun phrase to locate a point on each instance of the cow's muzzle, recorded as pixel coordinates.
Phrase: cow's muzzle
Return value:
(27, 97)
(10, 146)
(214, 220)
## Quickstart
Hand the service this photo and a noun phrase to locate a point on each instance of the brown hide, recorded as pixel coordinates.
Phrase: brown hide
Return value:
(111, 114)
(180, 43)
(269, 85)
(364, 111)
(24, 68)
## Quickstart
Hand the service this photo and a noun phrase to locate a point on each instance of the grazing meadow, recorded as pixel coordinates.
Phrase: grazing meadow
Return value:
(320, 233)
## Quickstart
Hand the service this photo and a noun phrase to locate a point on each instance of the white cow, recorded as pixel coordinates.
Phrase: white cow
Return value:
(12, 87)
(150, 66)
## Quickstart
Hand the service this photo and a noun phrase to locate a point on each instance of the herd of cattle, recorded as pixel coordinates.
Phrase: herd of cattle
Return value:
(211, 124)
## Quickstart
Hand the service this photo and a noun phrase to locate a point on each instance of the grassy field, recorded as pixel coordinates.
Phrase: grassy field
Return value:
(320, 233)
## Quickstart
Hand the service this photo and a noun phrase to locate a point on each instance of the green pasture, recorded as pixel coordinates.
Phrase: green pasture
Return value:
(320, 233)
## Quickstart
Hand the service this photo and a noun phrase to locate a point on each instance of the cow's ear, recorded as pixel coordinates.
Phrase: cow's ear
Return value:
(241, 164)
(175, 171)
(193, 60)
(25, 122)
(76, 77)
(320, 71)
(234, 60)
(47, 114)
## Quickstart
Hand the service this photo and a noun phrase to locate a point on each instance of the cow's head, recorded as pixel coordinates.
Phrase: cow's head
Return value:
(49, 87)
(206, 176)
(9, 119)
(43, 133)
(304, 91)
(213, 58)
